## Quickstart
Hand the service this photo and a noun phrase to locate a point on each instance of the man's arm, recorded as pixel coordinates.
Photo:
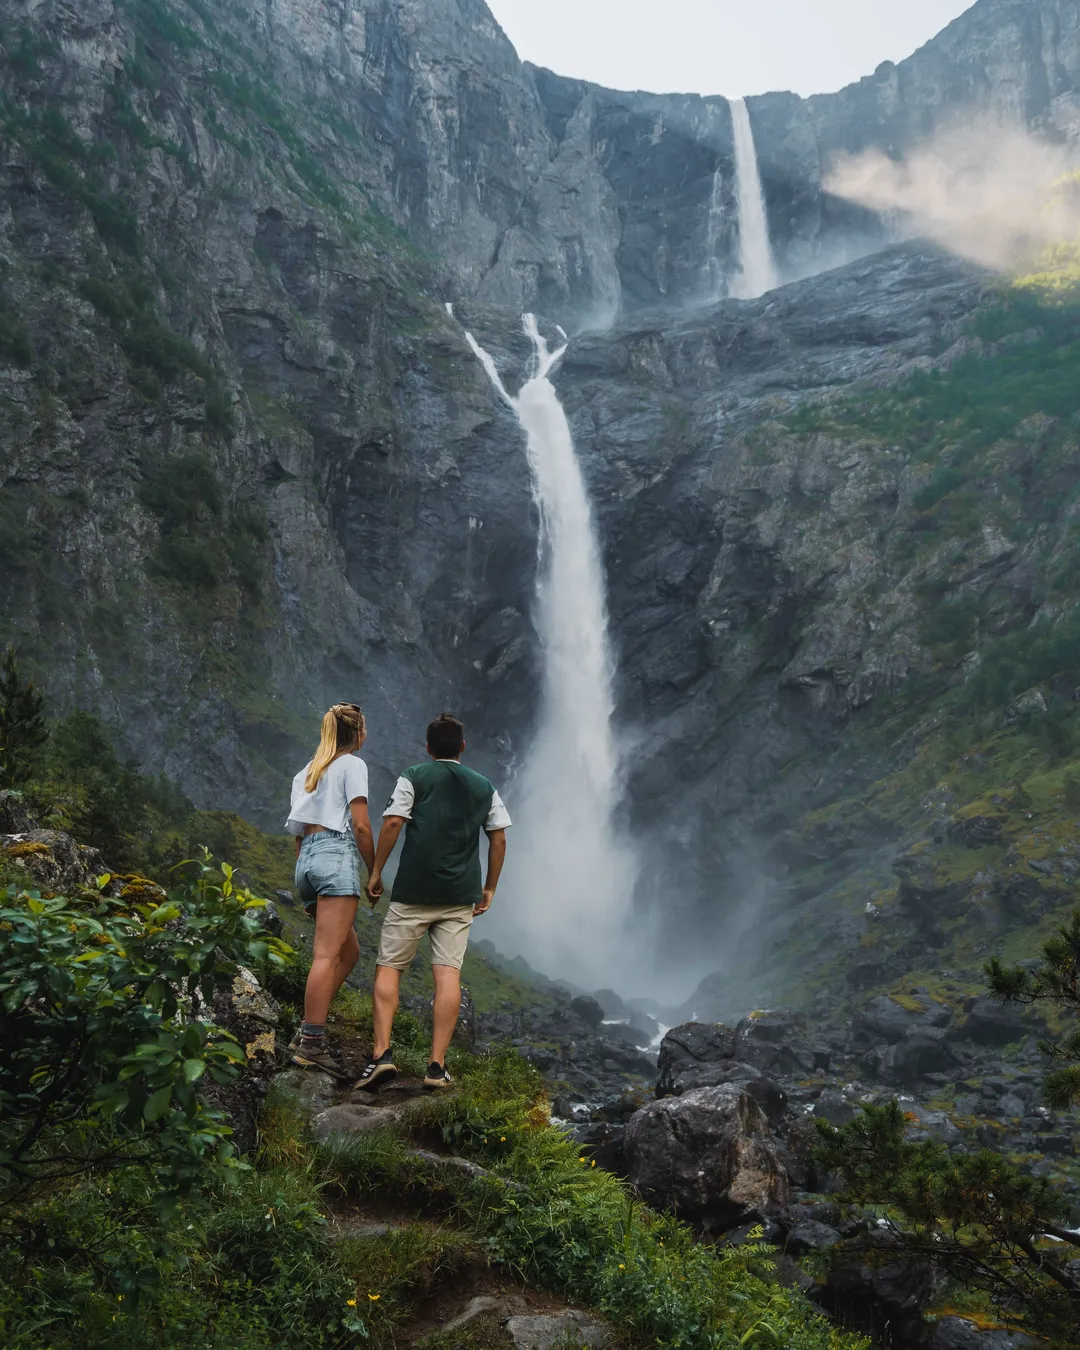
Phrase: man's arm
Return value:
(388, 837)
(361, 823)
(496, 857)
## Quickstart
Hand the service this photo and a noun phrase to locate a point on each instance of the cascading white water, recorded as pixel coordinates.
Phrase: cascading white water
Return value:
(714, 270)
(757, 268)
(569, 877)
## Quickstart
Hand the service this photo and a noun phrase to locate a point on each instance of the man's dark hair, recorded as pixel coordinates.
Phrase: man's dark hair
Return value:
(445, 737)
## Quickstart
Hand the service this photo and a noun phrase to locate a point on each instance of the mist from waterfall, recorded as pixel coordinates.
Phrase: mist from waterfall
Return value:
(757, 267)
(569, 877)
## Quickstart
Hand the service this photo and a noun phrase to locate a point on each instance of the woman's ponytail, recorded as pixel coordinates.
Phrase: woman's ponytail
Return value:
(342, 727)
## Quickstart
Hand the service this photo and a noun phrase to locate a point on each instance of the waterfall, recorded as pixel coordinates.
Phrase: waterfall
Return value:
(757, 269)
(714, 268)
(569, 876)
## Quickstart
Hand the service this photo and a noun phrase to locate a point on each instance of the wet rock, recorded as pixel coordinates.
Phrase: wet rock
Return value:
(891, 1020)
(923, 1050)
(15, 817)
(774, 1041)
(706, 1154)
(996, 1024)
(551, 1331)
(975, 831)
(688, 1049)
(810, 1236)
(55, 863)
(956, 1333)
(587, 1008)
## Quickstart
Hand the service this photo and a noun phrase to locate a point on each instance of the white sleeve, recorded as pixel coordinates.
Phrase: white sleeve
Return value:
(356, 779)
(401, 799)
(498, 818)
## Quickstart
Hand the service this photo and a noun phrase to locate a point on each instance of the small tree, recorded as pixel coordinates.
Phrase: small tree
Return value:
(22, 723)
(1055, 980)
(984, 1221)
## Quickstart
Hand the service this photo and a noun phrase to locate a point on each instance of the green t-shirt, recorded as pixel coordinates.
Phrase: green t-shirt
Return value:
(446, 806)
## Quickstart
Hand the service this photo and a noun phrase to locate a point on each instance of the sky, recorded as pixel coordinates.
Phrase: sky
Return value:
(730, 47)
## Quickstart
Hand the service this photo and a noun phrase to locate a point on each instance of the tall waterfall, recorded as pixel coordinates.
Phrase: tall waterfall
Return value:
(757, 268)
(569, 877)
(714, 269)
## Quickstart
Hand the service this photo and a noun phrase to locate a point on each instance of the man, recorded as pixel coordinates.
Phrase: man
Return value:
(437, 889)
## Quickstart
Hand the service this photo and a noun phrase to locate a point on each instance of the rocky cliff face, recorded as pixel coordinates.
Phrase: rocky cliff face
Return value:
(249, 466)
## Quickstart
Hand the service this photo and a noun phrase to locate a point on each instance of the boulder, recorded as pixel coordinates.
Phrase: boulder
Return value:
(923, 1050)
(53, 862)
(888, 1018)
(810, 1236)
(15, 817)
(611, 1003)
(706, 1155)
(686, 1050)
(546, 1331)
(247, 1012)
(774, 1041)
(996, 1024)
(588, 1010)
(956, 1333)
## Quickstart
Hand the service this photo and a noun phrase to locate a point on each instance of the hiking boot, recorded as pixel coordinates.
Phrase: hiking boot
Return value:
(376, 1073)
(436, 1079)
(321, 1058)
(294, 1045)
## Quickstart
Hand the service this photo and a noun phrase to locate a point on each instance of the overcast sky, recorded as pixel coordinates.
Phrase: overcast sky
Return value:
(730, 47)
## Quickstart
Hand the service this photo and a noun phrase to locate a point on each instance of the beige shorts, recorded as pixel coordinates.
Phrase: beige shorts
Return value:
(405, 925)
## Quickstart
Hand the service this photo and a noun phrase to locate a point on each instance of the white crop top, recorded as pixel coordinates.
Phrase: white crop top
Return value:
(345, 780)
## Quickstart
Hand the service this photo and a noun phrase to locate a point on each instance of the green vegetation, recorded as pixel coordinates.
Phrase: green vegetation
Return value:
(23, 731)
(983, 1219)
(1056, 980)
(155, 1234)
(197, 549)
(102, 1053)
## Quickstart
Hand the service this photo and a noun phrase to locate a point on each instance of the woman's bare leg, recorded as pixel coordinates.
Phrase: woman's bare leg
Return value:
(334, 919)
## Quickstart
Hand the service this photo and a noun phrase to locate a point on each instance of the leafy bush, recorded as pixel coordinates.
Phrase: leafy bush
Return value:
(103, 1049)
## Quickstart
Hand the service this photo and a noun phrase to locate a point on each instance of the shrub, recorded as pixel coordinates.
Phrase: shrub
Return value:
(103, 1051)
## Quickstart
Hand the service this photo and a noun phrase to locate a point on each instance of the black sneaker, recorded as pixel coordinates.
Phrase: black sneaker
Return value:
(436, 1079)
(377, 1072)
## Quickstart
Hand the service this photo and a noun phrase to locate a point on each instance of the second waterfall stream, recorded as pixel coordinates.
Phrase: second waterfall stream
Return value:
(570, 877)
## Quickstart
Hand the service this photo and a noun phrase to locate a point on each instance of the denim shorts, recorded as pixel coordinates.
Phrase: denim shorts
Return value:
(328, 865)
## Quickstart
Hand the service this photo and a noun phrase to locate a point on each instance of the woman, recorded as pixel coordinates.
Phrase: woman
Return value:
(329, 817)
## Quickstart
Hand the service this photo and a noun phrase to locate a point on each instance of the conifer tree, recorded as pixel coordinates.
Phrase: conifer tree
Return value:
(22, 723)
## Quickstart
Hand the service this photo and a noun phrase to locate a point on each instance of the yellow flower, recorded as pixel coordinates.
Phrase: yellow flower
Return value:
(594, 1162)
(350, 1303)
(621, 1266)
(581, 1160)
(502, 1139)
(374, 1297)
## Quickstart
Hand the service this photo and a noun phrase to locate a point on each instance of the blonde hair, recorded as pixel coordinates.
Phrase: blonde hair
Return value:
(343, 728)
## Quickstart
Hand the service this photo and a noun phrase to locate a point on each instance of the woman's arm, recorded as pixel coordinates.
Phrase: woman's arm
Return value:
(362, 830)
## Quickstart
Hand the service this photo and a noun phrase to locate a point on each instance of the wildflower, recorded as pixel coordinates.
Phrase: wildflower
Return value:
(621, 1266)
(119, 1298)
(581, 1160)
(374, 1298)
(350, 1303)
(502, 1139)
(594, 1162)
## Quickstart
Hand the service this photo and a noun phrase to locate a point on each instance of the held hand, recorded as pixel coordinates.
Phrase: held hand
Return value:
(485, 903)
(374, 889)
